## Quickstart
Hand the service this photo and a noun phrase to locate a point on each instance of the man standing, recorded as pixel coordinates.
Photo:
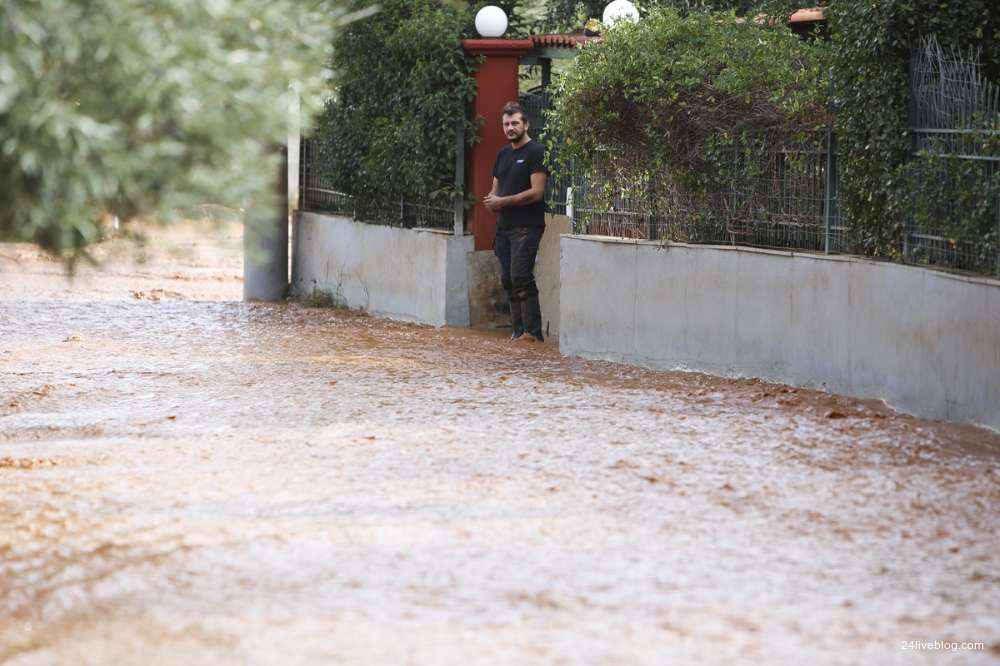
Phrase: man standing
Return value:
(518, 199)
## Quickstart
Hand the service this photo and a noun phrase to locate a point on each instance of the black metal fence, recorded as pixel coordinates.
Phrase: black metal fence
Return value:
(781, 192)
(535, 103)
(318, 193)
(954, 216)
(777, 192)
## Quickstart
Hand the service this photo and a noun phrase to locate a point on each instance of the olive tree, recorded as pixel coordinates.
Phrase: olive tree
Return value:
(146, 108)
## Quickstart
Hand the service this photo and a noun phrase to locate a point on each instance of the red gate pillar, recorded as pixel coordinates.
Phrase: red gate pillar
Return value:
(496, 81)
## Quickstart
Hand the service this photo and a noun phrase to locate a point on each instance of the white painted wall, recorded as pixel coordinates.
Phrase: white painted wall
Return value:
(925, 341)
(417, 275)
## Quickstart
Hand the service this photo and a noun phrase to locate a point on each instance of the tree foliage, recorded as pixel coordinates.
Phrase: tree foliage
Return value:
(402, 85)
(128, 107)
(568, 15)
(873, 40)
(671, 86)
(560, 15)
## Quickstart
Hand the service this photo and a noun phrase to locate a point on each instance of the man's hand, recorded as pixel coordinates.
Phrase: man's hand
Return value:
(493, 201)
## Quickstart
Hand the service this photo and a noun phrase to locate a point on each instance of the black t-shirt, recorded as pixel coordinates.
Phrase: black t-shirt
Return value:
(513, 168)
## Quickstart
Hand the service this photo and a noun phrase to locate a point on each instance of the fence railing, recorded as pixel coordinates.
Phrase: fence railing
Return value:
(318, 193)
(954, 216)
(780, 192)
(535, 103)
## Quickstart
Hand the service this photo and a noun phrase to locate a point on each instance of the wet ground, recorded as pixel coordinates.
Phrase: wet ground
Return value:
(187, 479)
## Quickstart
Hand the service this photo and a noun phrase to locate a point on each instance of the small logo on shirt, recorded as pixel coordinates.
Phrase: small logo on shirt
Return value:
(520, 161)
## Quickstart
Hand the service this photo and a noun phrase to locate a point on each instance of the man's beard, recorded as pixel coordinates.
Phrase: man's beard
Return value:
(514, 136)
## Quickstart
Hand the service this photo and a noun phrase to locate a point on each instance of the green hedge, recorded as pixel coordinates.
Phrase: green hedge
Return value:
(666, 92)
(872, 43)
(402, 85)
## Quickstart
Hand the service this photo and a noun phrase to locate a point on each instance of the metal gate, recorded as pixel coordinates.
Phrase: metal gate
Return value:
(560, 188)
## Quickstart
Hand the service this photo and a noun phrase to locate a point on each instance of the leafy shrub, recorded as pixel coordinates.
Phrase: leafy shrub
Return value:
(872, 43)
(955, 200)
(128, 109)
(568, 15)
(676, 93)
(402, 85)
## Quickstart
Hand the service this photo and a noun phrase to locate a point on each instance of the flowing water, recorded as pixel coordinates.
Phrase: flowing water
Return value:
(188, 479)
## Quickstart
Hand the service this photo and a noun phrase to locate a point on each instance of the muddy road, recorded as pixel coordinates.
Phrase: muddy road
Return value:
(187, 479)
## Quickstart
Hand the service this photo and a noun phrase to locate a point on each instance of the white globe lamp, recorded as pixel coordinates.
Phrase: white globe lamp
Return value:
(491, 21)
(619, 10)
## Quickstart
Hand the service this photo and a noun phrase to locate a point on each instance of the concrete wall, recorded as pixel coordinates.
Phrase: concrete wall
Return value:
(926, 342)
(547, 271)
(407, 274)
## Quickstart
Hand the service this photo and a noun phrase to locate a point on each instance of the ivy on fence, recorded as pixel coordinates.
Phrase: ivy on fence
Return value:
(670, 103)
(402, 85)
(872, 45)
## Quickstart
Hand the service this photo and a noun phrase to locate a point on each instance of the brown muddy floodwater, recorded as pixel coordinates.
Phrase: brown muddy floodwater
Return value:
(187, 479)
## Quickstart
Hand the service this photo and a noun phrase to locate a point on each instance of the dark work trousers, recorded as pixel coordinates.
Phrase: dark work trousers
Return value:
(516, 249)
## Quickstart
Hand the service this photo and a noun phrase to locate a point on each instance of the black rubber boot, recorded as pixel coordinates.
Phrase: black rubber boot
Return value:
(516, 320)
(533, 317)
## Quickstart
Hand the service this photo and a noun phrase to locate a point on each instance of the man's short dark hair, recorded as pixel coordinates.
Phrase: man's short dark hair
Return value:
(510, 108)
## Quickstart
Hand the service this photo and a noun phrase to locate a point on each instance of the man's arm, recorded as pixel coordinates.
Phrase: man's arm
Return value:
(490, 200)
(535, 193)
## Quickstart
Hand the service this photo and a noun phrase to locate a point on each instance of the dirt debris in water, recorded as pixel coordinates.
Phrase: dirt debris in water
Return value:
(279, 484)
(157, 295)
